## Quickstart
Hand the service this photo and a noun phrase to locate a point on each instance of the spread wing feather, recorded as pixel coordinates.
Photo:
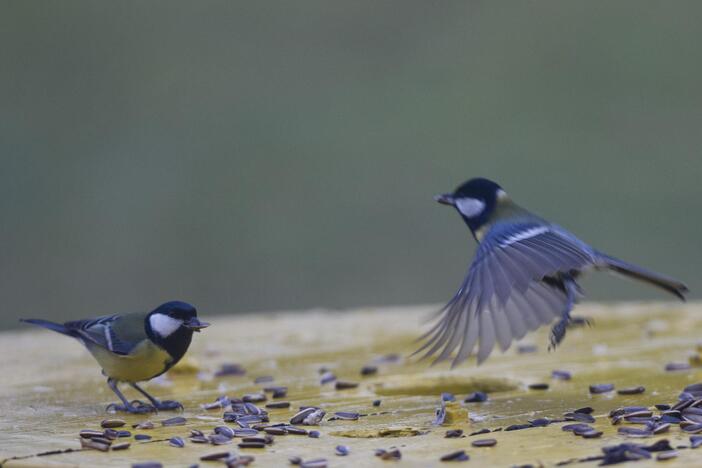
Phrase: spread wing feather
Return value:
(503, 295)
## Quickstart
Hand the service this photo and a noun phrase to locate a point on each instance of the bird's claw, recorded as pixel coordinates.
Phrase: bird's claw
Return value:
(580, 322)
(134, 407)
(169, 405)
(558, 331)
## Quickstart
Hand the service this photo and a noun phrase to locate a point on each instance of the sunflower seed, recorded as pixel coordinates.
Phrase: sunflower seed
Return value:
(314, 434)
(112, 423)
(631, 390)
(252, 445)
(677, 366)
(313, 418)
(226, 370)
(94, 444)
(199, 440)
(316, 463)
(476, 397)
(668, 455)
(254, 397)
(121, 446)
(538, 386)
(225, 431)
(561, 375)
(593, 434)
(576, 427)
(376, 403)
(176, 421)
(369, 370)
(301, 415)
(142, 437)
(484, 443)
(215, 456)
(219, 439)
(176, 442)
(346, 415)
(527, 348)
(481, 431)
(89, 433)
(326, 378)
(454, 433)
(458, 455)
(147, 465)
(110, 434)
(634, 432)
(695, 441)
(143, 425)
(342, 450)
(124, 434)
(296, 430)
(601, 388)
(278, 405)
(244, 432)
(344, 385)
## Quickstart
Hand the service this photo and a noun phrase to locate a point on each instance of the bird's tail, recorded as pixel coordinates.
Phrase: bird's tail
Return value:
(666, 283)
(57, 327)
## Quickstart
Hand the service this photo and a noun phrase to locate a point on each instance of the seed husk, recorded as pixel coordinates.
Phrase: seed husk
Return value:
(110, 434)
(121, 446)
(346, 415)
(667, 455)
(176, 442)
(215, 456)
(251, 445)
(199, 440)
(143, 425)
(89, 433)
(314, 418)
(393, 453)
(458, 455)
(631, 390)
(100, 444)
(254, 397)
(219, 439)
(476, 397)
(278, 405)
(112, 423)
(484, 443)
(301, 415)
(176, 421)
(342, 450)
(561, 375)
(344, 385)
(601, 388)
(244, 432)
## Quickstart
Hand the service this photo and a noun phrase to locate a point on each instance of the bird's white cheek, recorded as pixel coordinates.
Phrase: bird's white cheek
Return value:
(164, 325)
(470, 207)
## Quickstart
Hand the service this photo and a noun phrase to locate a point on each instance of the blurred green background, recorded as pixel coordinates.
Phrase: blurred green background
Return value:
(257, 156)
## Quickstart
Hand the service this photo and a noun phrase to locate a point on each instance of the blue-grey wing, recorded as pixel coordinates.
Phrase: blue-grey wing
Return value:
(504, 294)
(100, 331)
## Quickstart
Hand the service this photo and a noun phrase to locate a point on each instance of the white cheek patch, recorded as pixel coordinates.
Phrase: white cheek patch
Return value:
(470, 207)
(164, 325)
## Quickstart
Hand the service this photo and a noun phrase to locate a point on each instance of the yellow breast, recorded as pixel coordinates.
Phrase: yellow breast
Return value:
(144, 362)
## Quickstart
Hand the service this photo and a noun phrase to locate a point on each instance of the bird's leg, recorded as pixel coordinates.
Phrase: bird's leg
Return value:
(164, 405)
(136, 407)
(558, 331)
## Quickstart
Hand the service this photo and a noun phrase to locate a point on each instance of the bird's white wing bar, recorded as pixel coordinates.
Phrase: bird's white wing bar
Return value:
(503, 295)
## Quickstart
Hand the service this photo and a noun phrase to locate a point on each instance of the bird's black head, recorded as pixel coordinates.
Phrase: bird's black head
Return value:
(171, 326)
(475, 200)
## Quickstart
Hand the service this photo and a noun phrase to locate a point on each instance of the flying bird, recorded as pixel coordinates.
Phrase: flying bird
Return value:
(524, 275)
(135, 347)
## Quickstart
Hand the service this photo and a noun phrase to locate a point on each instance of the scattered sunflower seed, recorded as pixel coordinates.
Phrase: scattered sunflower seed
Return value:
(454, 433)
(278, 405)
(143, 425)
(327, 377)
(459, 455)
(369, 370)
(121, 446)
(301, 415)
(95, 444)
(230, 370)
(342, 450)
(667, 455)
(316, 463)
(147, 465)
(538, 386)
(225, 431)
(527, 348)
(314, 434)
(344, 385)
(585, 410)
(176, 421)
(481, 431)
(695, 441)
(484, 443)
(476, 397)
(112, 423)
(263, 379)
(446, 396)
(124, 434)
(393, 453)
(631, 390)
(677, 366)
(215, 456)
(601, 388)
(251, 445)
(376, 402)
(176, 442)
(561, 374)
(219, 439)
(346, 415)
(254, 397)
(89, 433)
(275, 430)
(142, 437)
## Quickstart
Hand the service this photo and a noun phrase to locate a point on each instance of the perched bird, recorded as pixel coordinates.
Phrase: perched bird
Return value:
(524, 275)
(135, 347)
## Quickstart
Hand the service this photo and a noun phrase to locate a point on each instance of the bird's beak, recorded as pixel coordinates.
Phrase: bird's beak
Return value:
(195, 325)
(445, 199)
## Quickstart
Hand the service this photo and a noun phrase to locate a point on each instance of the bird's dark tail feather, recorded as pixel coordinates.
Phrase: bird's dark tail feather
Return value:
(57, 327)
(666, 283)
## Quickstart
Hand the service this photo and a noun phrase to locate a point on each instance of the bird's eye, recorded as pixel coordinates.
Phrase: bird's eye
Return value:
(470, 207)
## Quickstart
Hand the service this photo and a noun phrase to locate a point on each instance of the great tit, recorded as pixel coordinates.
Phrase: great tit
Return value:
(523, 276)
(135, 347)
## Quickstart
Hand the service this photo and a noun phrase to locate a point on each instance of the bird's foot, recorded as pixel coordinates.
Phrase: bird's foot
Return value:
(168, 405)
(580, 322)
(134, 407)
(558, 332)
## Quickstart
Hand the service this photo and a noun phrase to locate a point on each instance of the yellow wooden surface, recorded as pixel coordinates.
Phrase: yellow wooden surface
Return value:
(51, 388)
